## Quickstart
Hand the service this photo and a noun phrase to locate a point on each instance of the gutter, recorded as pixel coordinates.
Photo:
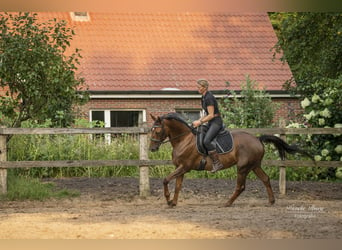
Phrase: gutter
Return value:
(173, 94)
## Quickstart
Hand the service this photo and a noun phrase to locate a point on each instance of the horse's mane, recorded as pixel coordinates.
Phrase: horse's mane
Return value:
(177, 117)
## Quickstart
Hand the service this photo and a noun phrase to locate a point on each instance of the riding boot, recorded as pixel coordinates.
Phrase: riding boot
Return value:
(217, 165)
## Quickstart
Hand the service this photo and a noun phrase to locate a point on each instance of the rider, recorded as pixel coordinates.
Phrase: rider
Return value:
(215, 123)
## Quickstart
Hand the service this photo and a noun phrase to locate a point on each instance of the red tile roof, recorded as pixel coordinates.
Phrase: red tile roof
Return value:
(152, 51)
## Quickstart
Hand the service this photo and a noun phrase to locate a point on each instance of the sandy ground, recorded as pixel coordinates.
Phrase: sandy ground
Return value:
(110, 208)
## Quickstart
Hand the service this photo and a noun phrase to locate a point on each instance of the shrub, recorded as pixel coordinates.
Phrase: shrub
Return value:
(254, 109)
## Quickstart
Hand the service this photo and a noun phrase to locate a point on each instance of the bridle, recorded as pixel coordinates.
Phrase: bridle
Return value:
(170, 139)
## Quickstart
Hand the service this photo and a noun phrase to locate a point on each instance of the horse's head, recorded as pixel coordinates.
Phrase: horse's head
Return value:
(171, 125)
(158, 134)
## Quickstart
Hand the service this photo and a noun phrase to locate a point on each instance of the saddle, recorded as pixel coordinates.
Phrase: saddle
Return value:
(223, 141)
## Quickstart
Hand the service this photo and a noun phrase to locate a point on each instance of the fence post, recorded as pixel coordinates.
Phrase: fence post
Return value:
(144, 185)
(282, 169)
(3, 157)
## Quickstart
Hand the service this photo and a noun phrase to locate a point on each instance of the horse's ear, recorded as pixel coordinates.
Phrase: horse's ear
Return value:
(154, 118)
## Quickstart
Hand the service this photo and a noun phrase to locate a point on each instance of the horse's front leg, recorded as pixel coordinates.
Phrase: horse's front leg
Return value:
(166, 191)
(179, 174)
(178, 187)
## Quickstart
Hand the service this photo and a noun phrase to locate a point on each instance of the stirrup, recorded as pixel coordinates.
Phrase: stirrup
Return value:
(214, 170)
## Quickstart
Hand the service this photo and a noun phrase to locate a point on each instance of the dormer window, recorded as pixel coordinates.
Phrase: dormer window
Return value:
(80, 16)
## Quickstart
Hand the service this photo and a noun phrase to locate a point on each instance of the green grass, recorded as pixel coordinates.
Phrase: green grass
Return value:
(27, 188)
(25, 184)
(86, 147)
(73, 147)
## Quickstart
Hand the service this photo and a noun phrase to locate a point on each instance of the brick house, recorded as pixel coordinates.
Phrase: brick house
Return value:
(141, 63)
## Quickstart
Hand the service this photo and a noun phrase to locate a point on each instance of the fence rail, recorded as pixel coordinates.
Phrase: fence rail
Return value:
(54, 131)
(104, 163)
(144, 163)
(144, 129)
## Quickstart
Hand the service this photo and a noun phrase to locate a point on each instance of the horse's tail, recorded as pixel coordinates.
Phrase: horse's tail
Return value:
(283, 147)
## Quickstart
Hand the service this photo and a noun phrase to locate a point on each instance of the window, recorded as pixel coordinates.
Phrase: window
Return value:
(80, 16)
(124, 118)
(189, 115)
(114, 118)
(99, 117)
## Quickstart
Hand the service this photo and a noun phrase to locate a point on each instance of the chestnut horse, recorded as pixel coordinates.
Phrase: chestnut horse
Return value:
(246, 154)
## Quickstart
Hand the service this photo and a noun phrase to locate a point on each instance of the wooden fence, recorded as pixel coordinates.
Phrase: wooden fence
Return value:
(144, 163)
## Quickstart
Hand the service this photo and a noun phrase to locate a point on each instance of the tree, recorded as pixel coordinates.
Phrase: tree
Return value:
(37, 76)
(311, 43)
(254, 109)
(312, 46)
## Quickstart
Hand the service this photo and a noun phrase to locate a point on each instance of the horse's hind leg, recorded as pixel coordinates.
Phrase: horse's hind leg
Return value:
(266, 180)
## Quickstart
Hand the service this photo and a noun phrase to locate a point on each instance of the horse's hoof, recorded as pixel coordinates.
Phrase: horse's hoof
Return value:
(272, 202)
(171, 204)
(228, 204)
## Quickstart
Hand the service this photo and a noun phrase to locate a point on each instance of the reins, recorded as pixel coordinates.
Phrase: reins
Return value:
(170, 139)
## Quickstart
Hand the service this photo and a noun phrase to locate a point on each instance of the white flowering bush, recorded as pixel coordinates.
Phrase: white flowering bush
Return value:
(324, 109)
(301, 140)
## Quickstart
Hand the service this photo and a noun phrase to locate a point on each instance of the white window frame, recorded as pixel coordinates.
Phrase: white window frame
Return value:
(80, 18)
(107, 114)
(107, 120)
(200, 111)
